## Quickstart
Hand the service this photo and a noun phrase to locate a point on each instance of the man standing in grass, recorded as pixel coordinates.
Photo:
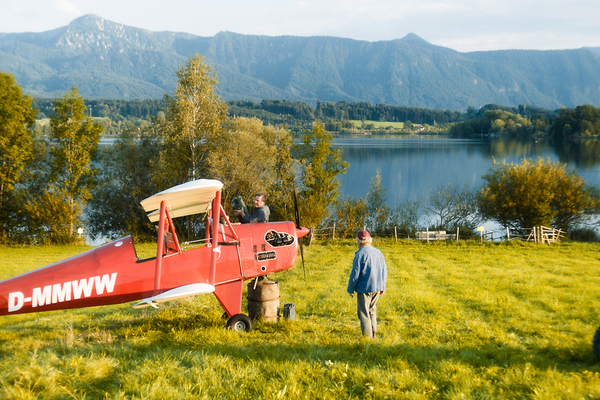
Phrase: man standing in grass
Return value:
(367, 279)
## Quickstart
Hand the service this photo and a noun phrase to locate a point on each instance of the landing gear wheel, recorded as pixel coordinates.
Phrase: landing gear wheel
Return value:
(596, 343)
(240, 323)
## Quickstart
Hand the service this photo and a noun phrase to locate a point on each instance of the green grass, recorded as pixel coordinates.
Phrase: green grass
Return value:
(378, 124)
(458, 320)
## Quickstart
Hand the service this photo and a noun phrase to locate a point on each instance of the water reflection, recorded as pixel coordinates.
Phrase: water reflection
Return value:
(515, 149)
(582, 153)
(412, 167)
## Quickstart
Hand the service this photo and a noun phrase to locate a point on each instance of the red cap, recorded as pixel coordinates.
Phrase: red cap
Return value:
(362, 235)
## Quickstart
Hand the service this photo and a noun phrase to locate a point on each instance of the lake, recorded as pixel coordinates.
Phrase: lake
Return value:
(412, 167)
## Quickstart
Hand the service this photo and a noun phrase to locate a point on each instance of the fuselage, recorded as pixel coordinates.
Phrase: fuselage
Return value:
(112, 273)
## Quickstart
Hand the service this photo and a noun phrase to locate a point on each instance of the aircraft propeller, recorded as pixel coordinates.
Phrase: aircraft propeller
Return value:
(297, 217)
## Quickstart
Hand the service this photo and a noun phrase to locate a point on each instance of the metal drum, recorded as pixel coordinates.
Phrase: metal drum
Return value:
(263, 300)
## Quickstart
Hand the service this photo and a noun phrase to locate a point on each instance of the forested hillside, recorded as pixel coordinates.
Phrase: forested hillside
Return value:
(345, 117)
(274, 112)
(109, 60)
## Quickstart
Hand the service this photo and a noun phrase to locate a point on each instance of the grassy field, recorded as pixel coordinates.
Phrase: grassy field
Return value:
(378, 124)
(458, 320)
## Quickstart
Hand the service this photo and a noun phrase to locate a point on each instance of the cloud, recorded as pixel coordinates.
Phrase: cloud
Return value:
(66, 7)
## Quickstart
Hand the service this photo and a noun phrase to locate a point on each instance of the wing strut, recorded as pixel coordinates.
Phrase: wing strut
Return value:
(160, 247)
(233, 232)
(216, 249)
(166, 243)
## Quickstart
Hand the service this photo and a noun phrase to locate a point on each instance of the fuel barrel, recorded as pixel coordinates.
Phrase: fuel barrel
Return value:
(263, 300)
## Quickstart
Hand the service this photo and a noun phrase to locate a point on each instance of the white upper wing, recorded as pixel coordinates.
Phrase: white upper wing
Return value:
(194, 197)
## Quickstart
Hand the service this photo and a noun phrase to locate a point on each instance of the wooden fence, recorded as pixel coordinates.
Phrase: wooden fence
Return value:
(540, 234)
(436, 235)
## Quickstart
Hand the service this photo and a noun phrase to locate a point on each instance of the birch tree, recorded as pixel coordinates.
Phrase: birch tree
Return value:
(194, 117)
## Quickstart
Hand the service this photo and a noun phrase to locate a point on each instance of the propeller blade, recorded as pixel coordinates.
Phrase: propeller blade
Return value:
(297, 215)
(302, 256)
(296, 212)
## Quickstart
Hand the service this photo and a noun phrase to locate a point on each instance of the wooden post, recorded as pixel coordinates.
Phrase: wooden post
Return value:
(507, 234)
(333, 234)
(396, 233)
(457, 232)
(427, 232)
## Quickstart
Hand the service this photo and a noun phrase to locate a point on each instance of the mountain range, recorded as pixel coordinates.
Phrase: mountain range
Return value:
(107, 60)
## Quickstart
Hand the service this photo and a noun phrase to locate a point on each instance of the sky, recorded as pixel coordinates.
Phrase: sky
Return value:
(462, 25)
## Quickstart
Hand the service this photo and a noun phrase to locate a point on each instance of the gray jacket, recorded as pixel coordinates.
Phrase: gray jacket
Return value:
(260, 214)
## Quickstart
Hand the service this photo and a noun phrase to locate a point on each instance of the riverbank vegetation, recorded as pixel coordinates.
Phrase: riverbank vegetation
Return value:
(511, 320)
(193, 138)
(364, 118)
(194, 134)
(515, 196)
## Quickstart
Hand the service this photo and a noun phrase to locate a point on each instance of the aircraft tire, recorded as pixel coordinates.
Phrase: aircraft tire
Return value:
(596, 343)
(240, 323)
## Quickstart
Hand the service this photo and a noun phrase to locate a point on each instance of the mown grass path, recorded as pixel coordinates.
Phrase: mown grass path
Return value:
(458, 320)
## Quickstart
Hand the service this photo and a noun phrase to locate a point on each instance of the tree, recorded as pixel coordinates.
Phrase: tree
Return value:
(251, 158)
(582, 121)
(377, 209)
(534, 194)
(505, 122)
(319, 169)
(406, 217)
(452, 207)
(126, 179)
(281, 193)
(16, 134)
(174, 149)
(73, 142)
(193, 120)
(349, 216)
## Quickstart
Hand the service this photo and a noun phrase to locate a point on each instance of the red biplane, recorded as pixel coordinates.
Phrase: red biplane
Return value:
(112, 273)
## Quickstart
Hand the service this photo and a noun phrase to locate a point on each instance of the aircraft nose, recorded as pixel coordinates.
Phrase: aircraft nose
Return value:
(302, 231)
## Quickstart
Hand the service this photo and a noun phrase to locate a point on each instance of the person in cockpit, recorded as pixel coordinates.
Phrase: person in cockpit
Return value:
(259, 214)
